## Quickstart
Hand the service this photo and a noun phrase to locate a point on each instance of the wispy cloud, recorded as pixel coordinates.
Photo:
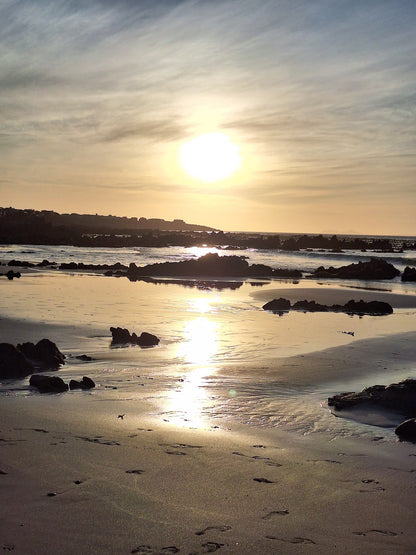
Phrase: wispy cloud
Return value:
(320, 93)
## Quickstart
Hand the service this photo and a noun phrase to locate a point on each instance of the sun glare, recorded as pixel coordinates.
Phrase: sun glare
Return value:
(210, 157)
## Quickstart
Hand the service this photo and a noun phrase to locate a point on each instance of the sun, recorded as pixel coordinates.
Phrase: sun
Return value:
(210, 157)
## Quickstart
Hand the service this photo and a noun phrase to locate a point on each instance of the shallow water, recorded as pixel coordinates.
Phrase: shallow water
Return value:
(203, 334)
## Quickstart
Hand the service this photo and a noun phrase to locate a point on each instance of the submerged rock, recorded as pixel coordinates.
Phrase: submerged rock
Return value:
(48, 384)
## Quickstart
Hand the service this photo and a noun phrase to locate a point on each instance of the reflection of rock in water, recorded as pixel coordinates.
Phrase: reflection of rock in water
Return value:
(203, 285)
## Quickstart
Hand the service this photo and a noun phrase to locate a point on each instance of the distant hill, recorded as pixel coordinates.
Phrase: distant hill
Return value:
(13, 218)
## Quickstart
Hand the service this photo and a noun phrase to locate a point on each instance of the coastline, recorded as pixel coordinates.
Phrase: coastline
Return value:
(154, 481)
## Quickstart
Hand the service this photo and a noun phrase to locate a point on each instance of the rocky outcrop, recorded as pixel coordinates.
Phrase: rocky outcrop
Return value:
(375, 308)
(122, 336)
(117, 267)
(310, 306)
(13, 363)
(374, 269)
(85, 383)
(48, 384)
(278, 305)
(409, 274)
(45, 355)
(11, 274)
(399, 397)
(210, 265)
(27, 358)
(407, 430)
(85, 358)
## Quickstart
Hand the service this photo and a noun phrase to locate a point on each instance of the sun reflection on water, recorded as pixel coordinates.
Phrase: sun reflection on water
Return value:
(198, 348)
(200, 341)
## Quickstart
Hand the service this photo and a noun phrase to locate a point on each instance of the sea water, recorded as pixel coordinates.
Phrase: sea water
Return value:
(207, 368)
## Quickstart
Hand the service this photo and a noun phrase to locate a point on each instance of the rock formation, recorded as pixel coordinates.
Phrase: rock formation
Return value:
(375, 308)
(27, 358)
(399, 397)
(48, 384)
(409, 274)
(374, 269)
(122, 336)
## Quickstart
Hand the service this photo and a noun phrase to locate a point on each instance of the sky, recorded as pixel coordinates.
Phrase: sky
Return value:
(97, 99)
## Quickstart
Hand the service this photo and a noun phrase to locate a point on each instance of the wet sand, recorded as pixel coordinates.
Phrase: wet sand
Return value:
(95, 472)
(335, 295)
(76, 478)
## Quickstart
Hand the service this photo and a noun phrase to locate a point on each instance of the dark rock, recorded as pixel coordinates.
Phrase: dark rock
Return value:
(409, 274)
(147, 340)
(407, 430)
(48, 384)
(277, 305)
(85, 358)
(45, 263)
(21, 264)
(375, 308)
(122, 336)
(309, 306)
(399, 397)
(210, 265)
(376, 268)
(45, 355)
(85, 383)
(286, 273)
(371, 307)
(10, 274)
(13, 363)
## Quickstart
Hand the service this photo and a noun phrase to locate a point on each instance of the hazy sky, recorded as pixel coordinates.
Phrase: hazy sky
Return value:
(97, 97)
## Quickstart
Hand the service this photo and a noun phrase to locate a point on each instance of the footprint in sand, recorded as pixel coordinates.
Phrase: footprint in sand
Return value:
(223, 528)
(296, 539)
(268, 460)
(155, 551)
(180, 446)
(210, 547)
(374, 531)
(283, 512)
(98, 440)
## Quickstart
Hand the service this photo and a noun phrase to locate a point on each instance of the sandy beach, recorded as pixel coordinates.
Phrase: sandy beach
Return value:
(217, 440)
(102, 484)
